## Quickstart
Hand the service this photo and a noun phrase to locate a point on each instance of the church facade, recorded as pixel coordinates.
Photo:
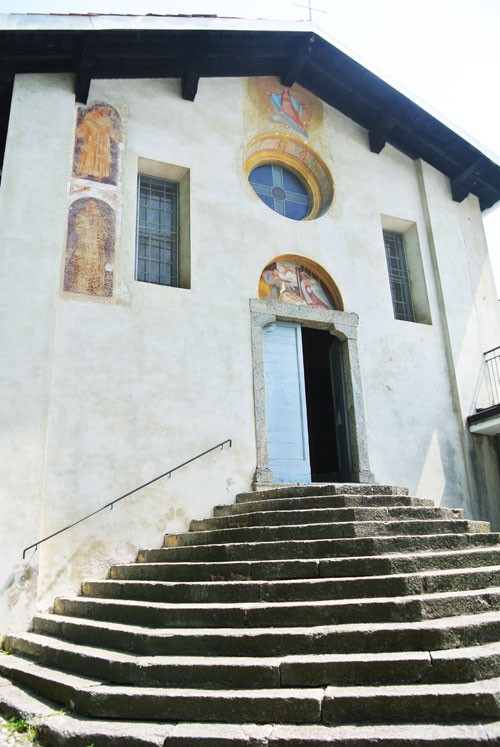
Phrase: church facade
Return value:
(194, 257)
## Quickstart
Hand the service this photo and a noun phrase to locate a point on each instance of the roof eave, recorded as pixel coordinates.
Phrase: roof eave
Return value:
(192, 48)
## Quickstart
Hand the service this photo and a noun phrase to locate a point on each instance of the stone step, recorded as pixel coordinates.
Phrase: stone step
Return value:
(230, 571)
(410, 562)
(149, 671)
(295, 590)
(259, 614)
(90, 697)
(326, 515)
(402, 635)
(333, 705)
(314, 670)
(347, 529)
(404, 734)
(304, 548)
(57, 728)
(320, 501)
(317, 489)
(82, 732)
(450, 665)
(322, 568)
(304, 615)
(465, 701)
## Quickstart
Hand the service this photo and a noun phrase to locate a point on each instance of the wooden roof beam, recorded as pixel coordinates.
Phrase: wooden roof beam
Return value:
(83, 81)
(191, 77)
(463, 183)
(190, 82)
(298, 63)
(85, 67)
(379, 133)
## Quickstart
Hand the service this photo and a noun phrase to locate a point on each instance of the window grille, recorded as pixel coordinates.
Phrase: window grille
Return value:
(399, 276)
(157, 231)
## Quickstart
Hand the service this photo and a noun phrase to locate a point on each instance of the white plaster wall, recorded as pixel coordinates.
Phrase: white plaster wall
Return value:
(470, 315)
(121, 390)
(411, 438)
(470, 306)
(32, 201)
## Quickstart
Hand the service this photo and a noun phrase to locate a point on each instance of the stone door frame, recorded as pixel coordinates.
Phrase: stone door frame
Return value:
(341, 324)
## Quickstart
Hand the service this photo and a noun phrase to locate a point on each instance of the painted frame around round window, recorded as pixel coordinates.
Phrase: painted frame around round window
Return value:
(289, 176)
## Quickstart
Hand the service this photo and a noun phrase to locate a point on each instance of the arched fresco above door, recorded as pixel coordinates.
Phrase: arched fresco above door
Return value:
(299, 281)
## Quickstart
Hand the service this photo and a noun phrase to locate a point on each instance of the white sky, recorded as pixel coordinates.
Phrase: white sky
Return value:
(445, 53)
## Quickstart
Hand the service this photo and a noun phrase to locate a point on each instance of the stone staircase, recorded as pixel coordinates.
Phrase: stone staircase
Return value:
(348, 615)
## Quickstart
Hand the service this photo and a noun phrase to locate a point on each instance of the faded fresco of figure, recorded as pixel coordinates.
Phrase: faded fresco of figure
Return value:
(98, 134)
(292, 110)
(271, 284)
(90, 248)
(291, 283)
(313, 291)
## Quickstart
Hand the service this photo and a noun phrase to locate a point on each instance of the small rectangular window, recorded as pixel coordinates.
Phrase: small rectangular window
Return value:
(399, 276)
(157, 250)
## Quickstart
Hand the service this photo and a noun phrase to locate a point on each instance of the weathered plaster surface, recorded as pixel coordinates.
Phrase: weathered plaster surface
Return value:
(35, 170)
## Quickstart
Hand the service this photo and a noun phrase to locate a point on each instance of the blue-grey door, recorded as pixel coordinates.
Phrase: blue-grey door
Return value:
(286, 403)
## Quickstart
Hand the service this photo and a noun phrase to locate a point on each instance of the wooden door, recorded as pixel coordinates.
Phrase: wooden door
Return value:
(286, 403)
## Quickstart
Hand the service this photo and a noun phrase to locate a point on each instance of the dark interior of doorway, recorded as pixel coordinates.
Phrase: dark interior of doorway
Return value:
(325, 451)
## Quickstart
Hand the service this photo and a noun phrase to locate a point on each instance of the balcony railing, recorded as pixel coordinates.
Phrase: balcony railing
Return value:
(485, 421)
(492, 375)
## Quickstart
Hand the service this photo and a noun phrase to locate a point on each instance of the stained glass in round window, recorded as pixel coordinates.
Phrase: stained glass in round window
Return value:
(281, 190)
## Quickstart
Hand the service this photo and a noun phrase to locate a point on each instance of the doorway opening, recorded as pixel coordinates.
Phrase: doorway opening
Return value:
(327, 425)
(280, 399)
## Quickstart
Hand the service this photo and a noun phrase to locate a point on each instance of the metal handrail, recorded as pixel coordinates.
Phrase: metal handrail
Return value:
(135, 490)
